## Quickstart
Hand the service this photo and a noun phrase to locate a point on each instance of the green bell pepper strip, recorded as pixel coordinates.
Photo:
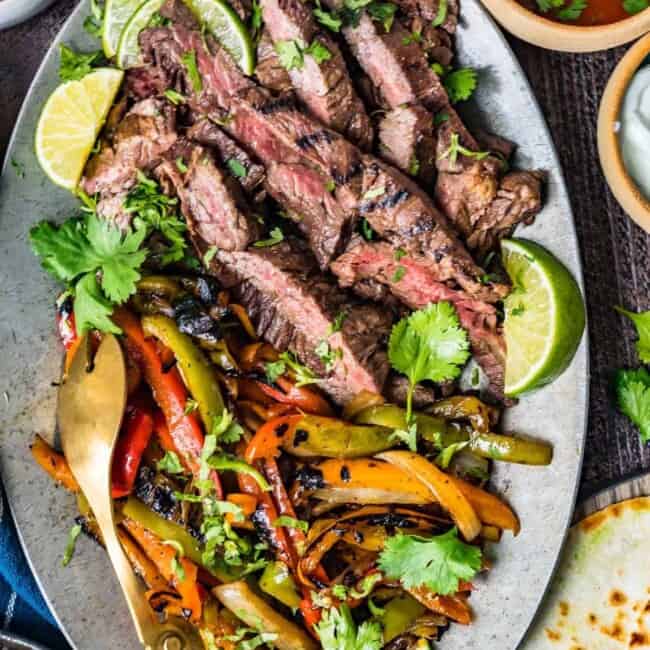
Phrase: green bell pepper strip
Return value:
(510, 449)
(434, 430)
(278, 582)
(171, 531)
(195, 370)
(316, 435)
(399, 614)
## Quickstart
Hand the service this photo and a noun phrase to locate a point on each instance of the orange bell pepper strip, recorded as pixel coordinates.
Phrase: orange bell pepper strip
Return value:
(169, 392)
(268, 438)
(452, 607)
(54, 464)
(134, 438)
(163, 555)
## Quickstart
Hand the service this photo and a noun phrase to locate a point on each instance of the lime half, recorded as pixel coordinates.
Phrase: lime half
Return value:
(226, 26)
(70, 122)
(545, 316)
(116, 16)
(128, 48)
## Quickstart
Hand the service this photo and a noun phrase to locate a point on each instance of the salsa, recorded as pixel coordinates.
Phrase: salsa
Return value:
(586, 12)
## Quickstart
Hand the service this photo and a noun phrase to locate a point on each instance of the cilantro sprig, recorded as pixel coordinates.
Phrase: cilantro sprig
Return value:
(438, 563)
(633, 396)
(642, 323)
(338, 631)
(76, 65)
(100, 261)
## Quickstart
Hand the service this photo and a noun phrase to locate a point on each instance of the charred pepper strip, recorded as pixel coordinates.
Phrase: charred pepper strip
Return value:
(510, 449)
(134, 438)
(168, 391)
(195, 370)
(54, 464)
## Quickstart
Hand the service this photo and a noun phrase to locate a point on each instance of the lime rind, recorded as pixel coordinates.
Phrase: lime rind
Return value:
(69, 124)
(545, 317)
(226, 26)
(128, 49)
(116, 15)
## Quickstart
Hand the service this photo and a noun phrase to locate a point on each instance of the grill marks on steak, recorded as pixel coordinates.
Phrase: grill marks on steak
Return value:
(325, 88)
(313, 171)
(417, 287)
(293, 306)
(268, 70)
(137, 140)
(212, 203)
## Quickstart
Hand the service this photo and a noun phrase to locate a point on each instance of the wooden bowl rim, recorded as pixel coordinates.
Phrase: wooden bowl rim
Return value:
(620, 182)
(551, 35)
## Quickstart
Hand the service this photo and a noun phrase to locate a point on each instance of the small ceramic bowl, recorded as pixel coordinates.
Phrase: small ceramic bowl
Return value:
(623, 187)
(13, 12)
(538, 30)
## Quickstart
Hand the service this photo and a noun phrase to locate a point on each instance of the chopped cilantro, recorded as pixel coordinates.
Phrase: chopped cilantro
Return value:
(236, 168)
(460, 84)
(76, 65)
(276, 236)
(291, 522)
(455, 148)
(174, 97)
(188, 59)
(441, 14)
(170, 463)
(75, 531)
(374, 192)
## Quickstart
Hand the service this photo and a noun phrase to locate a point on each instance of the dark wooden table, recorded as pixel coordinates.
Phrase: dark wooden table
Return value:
(615, 251)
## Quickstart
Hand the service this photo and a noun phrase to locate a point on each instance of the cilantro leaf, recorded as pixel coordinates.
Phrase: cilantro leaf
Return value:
(174, 97)
(189, 61)
(573, 11)
(76, 65)
(303, 375)
(290, 54)
(276, 236)
(91, 309)
(274, 369)
(75, 531)
(455, 148)
(642, 323)
(635, 6)
(328, 19)
(438, 563)
(338, 631)
(236, 168)
(446, 455)
(633, 395)
(366, 229)
(383, 12)
(170, 463)
(441, 14)
(318, 52)
(94, 22)
(226, 429)
(408, 436)
(460, 84)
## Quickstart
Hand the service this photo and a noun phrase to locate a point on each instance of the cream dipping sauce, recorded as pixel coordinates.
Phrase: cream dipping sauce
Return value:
(635, 130)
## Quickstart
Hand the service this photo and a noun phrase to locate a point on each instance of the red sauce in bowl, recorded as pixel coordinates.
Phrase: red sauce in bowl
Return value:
(597, 12)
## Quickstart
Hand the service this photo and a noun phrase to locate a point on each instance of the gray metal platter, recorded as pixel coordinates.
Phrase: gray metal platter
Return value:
(85, 596)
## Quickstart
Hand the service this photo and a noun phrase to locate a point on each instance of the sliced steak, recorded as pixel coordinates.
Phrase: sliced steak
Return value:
(432, 11)
(210, 135)
(313, 171)
(293, 306)
(519, 200)
(406, 140)
(135, 142)
(395, 63)
(325, 88)
(269, 71)
(435, 42)
(396, 391)
(211, 202)
(415, 286)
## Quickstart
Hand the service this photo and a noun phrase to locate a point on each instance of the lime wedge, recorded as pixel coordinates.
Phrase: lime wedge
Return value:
(545, 316)
(70, 122)
(116, 16)
(128, 47)
(226, 26)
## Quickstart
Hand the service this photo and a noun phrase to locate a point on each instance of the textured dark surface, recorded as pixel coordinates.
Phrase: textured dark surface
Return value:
(615, 252)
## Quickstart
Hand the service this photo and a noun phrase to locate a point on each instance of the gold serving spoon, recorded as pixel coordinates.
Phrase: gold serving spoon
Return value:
(91, 404)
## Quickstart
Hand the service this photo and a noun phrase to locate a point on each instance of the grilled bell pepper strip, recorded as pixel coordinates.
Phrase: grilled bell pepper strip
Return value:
(277, 581)
(163, 556)
(466, 407)
(300, 397)
(169, 393)
(399, 614)
(269, 437)
(141, 564)
(431, 428)
(54, 464)
(452, 607)
(134, 438)
(194, 368)
(170, 531)
(510, 449)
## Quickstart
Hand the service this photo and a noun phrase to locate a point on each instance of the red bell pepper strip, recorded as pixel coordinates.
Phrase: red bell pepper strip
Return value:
(269, 437)
(303, 398)
(133, 440)
(169, 392)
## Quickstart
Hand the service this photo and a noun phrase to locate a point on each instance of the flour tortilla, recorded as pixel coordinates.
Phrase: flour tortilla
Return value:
(600, 599)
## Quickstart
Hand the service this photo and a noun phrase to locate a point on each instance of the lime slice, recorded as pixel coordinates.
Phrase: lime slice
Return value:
(70, 122)
(128, 47)
(116, 16)
(226, 26)
(545, 316)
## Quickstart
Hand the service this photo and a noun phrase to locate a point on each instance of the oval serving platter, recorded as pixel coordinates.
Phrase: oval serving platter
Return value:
(85, 596)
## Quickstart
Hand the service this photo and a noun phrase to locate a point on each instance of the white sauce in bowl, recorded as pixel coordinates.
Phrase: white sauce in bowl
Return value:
(635, 130)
